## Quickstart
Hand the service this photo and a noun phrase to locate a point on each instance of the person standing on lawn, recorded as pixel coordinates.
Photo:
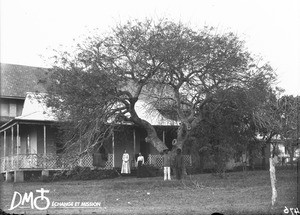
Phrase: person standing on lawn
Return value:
(178, 164)
(140, 162)
(125, 163)
(167, 165)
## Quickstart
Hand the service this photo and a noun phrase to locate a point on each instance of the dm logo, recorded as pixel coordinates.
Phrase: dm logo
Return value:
(35, 203)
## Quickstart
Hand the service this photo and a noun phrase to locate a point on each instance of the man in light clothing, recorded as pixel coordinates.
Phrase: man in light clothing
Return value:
(167, 165)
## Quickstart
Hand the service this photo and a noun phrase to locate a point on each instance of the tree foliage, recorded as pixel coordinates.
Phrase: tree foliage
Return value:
(232, 130)
(197, 75)
(290, 122)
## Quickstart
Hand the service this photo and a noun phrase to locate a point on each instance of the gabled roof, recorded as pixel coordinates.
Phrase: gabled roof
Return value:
(17, 80)
(35, 109)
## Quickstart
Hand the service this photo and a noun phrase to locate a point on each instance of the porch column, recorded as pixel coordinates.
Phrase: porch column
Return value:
(4, 151)
(12, 148)
(18, 139)
(113, 148)
(45, 163)
(18, 145)
(45, 140)
(134, 144)
(4, 146)
(12, 141)
(8, 176)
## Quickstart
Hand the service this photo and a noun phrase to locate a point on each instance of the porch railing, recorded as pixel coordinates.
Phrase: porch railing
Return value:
(48, 161)
(157, 160)
(58, 161)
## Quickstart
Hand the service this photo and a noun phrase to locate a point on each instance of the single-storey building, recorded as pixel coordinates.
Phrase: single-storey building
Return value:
(29, 132)
(29, 141)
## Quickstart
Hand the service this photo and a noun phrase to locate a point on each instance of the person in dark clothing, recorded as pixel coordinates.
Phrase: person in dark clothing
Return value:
(140, 162)
(178, 164)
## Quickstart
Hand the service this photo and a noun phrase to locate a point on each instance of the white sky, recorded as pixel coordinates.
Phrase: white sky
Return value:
(271, 28)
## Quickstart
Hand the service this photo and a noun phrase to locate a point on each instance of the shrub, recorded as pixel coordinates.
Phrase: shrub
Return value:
(191, 170)
(32, 176)
(150, 171)
(45, 178)
(85, 173)
(2, 178)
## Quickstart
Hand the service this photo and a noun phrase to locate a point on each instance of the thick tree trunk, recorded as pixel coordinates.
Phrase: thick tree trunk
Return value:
(263, 153)
(273, 180)
(181, 137)
(179, 143)
(272, 162)
(152, 137)
(183, 133)
(201, 161)
(292, 155)
(251, 159)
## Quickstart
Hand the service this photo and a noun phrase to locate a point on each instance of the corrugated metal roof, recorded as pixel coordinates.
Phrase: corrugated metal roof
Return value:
(149, 113)
(36, 109)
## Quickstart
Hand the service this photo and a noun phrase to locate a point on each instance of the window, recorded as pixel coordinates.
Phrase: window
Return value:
(12, 109)
(4, 107)
(19, 108)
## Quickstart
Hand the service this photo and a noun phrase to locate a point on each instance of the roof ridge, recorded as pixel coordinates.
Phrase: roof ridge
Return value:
(22, 65)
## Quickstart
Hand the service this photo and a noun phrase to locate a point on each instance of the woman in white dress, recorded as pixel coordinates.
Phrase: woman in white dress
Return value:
(125, 163)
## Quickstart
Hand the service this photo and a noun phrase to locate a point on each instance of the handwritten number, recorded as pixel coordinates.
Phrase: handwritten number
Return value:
(291, 209)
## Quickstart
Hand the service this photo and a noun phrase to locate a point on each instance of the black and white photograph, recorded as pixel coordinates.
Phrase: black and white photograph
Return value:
(150, 107)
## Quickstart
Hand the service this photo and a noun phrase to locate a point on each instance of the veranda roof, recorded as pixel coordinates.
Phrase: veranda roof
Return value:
(35, 109)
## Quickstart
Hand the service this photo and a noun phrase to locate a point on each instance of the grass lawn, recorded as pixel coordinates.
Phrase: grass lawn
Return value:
(239, 193)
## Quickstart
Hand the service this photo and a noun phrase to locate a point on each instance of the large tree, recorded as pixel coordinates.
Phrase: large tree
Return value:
(290, 121)
(277, 117)
(232, 130)
(180, 71)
